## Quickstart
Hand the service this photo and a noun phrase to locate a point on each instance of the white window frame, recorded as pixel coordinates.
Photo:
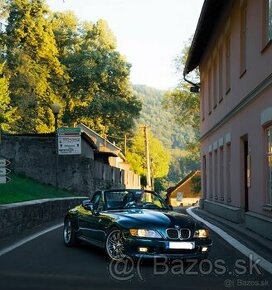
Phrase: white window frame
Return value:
(269, 164)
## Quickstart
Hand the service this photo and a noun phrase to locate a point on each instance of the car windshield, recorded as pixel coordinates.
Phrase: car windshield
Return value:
(124, 199)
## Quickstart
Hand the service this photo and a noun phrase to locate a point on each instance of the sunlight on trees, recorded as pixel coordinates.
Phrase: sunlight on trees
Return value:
(185, 106)
(53, 57)
(159, 156)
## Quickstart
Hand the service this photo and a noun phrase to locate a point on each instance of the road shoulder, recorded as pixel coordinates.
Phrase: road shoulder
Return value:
(247, 242)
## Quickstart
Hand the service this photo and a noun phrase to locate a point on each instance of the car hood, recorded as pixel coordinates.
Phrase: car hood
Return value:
(152, 218)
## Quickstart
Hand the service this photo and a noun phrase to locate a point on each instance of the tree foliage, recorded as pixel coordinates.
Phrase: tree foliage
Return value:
(7, 113)
(32, 65)
(99, 94)
(196, 184)
(184, 105)
(159, 156)
(161, 121)
(174, 137)
(53, 57)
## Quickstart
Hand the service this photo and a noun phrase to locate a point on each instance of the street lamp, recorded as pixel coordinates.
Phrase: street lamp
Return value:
(56, 109)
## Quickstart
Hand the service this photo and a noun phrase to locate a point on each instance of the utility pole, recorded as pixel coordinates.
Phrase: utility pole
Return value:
(148, 179)
(125, 149)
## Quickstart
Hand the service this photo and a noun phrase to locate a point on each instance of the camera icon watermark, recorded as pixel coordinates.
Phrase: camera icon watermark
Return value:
(125, 269)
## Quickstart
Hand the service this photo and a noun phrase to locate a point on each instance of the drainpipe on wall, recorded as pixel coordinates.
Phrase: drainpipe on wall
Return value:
(195, 87)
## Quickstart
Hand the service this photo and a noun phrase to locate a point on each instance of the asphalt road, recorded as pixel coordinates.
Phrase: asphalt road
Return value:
(45, 263)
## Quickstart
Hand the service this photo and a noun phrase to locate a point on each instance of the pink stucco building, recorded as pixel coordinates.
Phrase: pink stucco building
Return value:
(232, 47)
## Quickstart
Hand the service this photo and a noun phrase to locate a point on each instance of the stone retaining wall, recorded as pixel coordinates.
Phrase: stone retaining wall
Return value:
(35, 156)
(17, 217)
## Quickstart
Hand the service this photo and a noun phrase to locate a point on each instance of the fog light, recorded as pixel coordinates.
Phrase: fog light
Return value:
(204, 249)
(143, 249)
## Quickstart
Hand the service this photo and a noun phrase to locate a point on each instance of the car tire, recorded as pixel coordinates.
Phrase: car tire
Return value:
(115, 245)
(69, 235)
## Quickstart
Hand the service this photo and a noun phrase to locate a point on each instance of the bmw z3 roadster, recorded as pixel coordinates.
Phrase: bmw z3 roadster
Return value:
(135, 223)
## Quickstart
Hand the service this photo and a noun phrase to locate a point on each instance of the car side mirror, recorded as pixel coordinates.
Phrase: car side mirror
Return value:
(90, 207)
(87, 205)
(95, 209)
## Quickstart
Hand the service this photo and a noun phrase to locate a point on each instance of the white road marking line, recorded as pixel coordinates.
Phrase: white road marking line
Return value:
(266, 265)
(28, 239)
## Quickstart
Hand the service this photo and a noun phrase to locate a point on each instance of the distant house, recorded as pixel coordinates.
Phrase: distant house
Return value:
(183, 194)
(232, 47)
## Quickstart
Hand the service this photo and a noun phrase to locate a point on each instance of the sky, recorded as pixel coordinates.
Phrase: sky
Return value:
(149, 33)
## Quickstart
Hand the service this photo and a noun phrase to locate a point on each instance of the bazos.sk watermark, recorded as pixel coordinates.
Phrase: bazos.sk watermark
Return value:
(129, 268)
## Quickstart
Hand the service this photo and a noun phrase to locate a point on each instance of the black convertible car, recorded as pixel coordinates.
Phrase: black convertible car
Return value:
(135, 223)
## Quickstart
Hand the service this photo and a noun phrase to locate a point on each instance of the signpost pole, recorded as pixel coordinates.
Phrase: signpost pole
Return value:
(56, 109)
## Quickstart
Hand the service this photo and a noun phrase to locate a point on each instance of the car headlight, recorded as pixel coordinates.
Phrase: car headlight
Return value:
(201, 233)
(144, 233)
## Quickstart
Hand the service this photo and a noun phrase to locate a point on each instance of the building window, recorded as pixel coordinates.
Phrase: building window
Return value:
(202, 100)
(214, 85)
(267, 22)
(243, 38)
(215, 175)
(228, 51)
(228, 172)
(269, 165)
(204, 170)
(209, 92)
(221, 172)
(210, 173)
(220, 74)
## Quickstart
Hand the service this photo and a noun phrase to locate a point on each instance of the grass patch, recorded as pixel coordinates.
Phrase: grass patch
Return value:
(22, 188)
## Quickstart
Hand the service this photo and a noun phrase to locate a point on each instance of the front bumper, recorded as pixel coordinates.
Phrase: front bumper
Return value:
(159, 248)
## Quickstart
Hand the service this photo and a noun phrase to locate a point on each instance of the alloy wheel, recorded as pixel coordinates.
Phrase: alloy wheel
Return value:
(67, 231)
(115, 245)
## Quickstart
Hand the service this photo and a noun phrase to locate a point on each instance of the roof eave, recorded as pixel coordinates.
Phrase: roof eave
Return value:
(210, 15)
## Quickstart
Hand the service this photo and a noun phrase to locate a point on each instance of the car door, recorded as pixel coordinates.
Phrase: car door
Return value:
(91, 222)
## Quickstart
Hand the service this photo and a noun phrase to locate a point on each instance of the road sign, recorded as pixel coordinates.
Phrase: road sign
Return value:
(2, 162)
(4, 179)
(4, 170)
(179, 196)
(69, 141)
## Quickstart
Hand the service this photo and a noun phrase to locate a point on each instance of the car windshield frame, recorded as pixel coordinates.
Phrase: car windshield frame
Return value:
(133, 199)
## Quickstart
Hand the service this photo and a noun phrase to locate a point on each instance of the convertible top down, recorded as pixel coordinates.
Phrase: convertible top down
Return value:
(135, 223)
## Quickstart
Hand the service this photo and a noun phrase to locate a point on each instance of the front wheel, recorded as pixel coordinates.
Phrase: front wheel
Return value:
(69, 236)
(115, 245)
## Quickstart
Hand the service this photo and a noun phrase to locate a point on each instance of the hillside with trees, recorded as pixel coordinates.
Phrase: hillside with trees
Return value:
(162, 123)
(160, 120)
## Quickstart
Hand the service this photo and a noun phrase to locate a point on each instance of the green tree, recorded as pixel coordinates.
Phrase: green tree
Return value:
(160, 120)
(184, 105)
(7, 113)
(159, 156)
(35, 73)
(182, 163)
(196, 184)
(100, 94)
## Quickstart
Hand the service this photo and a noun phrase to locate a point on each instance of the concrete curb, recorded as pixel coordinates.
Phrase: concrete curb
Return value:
(248, 252)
